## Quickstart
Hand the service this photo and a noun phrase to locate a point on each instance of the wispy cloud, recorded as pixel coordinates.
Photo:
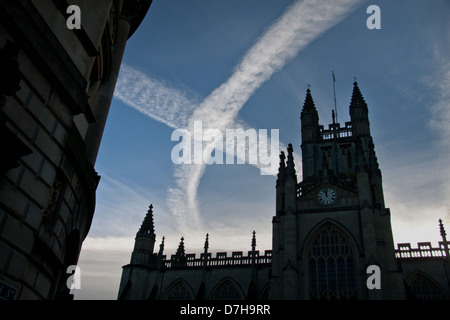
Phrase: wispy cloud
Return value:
(173, 107)
(121, 206)
(301, 23)
(429, 173)
(440, 111)
(155, 98)
(117, 217)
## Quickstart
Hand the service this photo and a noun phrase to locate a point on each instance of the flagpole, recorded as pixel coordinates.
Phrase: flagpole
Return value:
(334, 93)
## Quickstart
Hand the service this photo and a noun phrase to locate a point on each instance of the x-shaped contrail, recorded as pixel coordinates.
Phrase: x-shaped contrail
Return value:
(300, 24)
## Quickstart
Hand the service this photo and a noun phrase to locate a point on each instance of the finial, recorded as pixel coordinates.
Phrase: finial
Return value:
(357, 97)
(308, 104)
(290, 149)
(253, 239)
(441, 228)
(161, 246)
(148, 226)
(206, 242)
(180, 250)
(281, 169)
(180, 256)
(290, 166)
(254, 247)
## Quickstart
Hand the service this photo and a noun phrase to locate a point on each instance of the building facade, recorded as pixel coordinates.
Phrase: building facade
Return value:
(56, 87)
(332, 236)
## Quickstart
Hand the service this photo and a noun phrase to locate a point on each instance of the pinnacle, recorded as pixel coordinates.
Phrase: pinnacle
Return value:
(147, 226)
(180, 251)
(161, 246)
(357, 97)
(282, 161)
(281, 168)
(442, 229)
(206, 242)
(309, 102)
(290, 170)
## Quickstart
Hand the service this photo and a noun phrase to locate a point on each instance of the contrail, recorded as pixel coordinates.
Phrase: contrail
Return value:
(301, 23)
(155, 98)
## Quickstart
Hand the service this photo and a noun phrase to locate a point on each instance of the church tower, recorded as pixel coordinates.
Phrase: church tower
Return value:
(331, 226)
(136, 275)
(144, 241)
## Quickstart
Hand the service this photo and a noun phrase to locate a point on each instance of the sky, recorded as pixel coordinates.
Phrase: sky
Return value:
(246, 65)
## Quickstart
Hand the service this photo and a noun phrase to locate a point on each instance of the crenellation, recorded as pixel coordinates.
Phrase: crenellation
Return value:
(423, 250)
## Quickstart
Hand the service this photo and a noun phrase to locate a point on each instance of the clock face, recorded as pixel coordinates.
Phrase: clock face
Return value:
(326, 196)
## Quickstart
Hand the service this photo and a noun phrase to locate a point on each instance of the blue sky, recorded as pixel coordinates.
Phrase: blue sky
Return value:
(246, 64)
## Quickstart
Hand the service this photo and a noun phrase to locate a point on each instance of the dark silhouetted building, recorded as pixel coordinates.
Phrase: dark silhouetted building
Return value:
(56, 87)
(332, 236)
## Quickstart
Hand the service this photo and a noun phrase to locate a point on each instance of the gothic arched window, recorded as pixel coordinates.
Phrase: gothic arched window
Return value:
(179, 291)
(332, 266)
(422, 288)
(227, 290)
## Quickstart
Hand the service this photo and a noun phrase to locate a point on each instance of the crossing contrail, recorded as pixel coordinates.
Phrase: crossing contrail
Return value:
(301, 23)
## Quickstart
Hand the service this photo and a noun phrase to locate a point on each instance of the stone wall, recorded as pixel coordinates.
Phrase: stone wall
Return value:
(48, 181)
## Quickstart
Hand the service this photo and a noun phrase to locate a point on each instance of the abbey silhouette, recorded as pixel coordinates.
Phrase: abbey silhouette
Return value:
(327, 230)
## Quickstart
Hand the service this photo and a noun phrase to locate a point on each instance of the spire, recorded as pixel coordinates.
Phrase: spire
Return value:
(359, 115)
(309, 120)
(290, 169)
(145, 240)
(179, 259)
(253, 240)
(442, 230)
(281, 168)
(444, 239)
(253, 247)
(357, 97)
(308, 105)
(205, 253)
(147, 227)
(180, 251)
(161, 247)
(206, 247)
(160, 253)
